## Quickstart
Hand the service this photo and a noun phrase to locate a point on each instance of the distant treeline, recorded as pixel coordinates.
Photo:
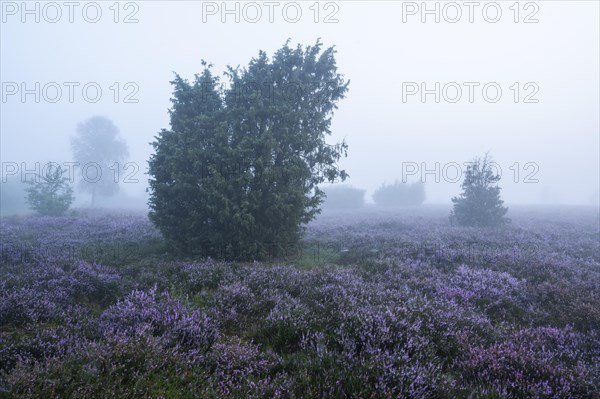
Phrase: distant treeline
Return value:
(388, 195)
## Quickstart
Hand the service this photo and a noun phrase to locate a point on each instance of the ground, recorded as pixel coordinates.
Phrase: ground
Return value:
(373, 304)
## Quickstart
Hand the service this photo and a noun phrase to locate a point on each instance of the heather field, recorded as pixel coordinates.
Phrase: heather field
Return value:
(371, 305)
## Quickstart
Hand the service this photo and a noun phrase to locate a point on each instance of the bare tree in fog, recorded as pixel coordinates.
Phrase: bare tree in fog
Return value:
(99, 153)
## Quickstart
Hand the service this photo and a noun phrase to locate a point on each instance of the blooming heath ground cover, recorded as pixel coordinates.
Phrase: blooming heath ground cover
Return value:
(370, 305)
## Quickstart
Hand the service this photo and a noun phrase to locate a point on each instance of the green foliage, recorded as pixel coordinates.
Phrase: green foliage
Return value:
(240, 168)
(344, 197)
(50, 195)
(479, 204)
(400, 194)
(97, 144)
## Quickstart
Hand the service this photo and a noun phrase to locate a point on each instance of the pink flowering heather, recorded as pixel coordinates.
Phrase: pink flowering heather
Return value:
(374, 305)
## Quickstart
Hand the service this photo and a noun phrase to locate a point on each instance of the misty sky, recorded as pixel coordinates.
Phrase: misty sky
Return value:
(554, 62)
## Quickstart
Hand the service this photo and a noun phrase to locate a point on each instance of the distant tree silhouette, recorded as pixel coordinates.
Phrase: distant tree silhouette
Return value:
(343, 197)
(479, 204)
(12, 196)
(97, 143)
(399, 194)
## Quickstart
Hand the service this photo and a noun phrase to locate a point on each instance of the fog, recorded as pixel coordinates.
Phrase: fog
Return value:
(526, 91)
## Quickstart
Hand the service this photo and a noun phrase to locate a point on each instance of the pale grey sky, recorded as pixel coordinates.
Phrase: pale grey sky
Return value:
(385, 50)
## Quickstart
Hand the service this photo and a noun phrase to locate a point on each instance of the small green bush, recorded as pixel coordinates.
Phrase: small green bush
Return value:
(50, 195)
(479, 204)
